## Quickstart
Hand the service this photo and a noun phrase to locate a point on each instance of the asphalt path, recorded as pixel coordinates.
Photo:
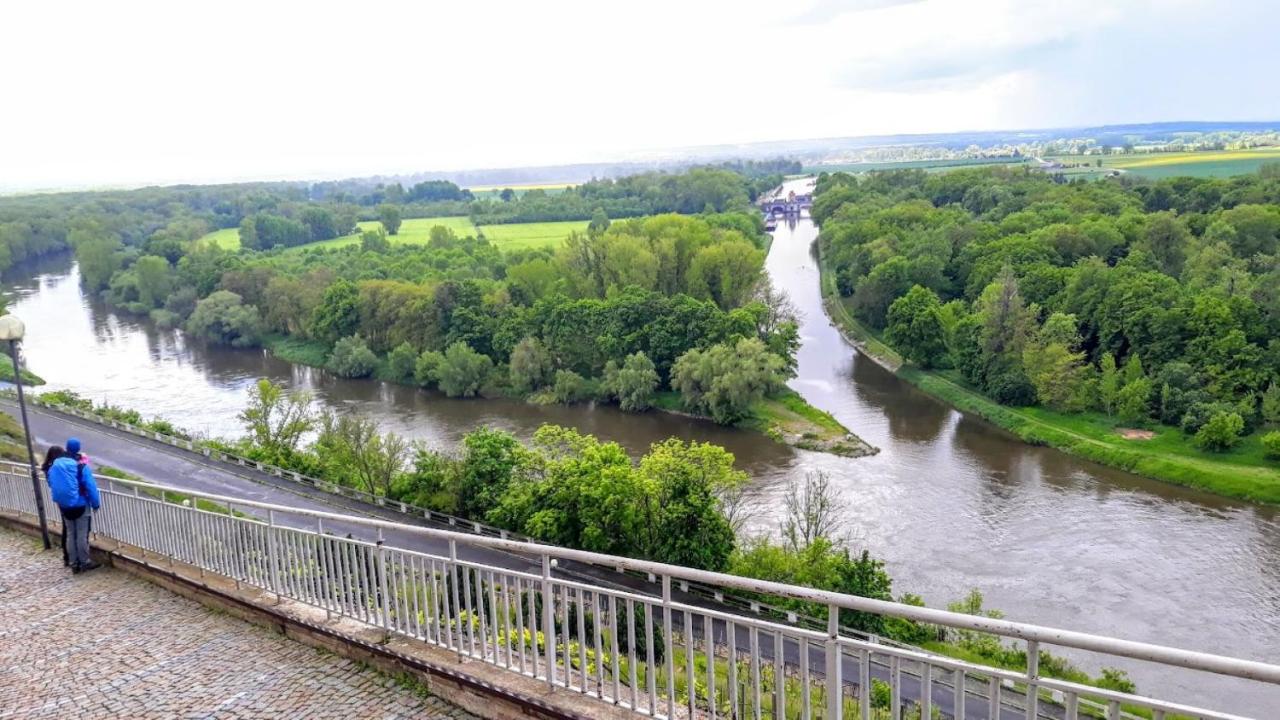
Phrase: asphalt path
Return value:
(163, 464)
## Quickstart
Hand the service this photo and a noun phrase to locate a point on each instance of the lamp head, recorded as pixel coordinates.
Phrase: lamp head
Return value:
(11, 328)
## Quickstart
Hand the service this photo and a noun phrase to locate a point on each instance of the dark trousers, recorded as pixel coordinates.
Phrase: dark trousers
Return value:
(73, 520)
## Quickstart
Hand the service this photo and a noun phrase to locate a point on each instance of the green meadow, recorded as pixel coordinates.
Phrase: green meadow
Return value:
(1208, 163)
(416, 231)
(528, 235)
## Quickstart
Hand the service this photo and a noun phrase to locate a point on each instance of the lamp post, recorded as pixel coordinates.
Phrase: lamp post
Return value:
(12, 329)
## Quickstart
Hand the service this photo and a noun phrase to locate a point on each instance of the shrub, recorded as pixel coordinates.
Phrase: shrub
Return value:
(530, 367)
(426, 372)
(402, 361)
(570, 387)
(351, 358)
(463, 371)
(1271, 444)
(223, 318)
(634, 384)
(1221, 433)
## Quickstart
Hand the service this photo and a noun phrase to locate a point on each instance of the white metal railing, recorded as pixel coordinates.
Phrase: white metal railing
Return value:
(643, 651)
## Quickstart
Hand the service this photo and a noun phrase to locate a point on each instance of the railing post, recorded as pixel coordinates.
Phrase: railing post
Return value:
(670, 649)
(273, 560)
(384, 602)
(324, 569)
(1033, 673)
(548, 621)
(835, 685)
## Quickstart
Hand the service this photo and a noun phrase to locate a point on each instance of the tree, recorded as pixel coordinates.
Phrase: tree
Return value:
(570, 387)
(402, 361)
(599, 223)
(1133, 401)
(507, 195)
(338, 314)
(1054, 367)
(352, 358)
(389, 216)
(726, 272)
(426, 371)
(812, 511)
(1167, 239)
(223, 318)
(1109, 386)
(531, 366)
(1271, 444)
(276, 419)
(725, 380)
(1221, 433)
(682, 513)
(491, 458)
(352, 448)
(915, 328)
(463, 371)
(99, 257)
(375, 240)
(249, 234)
(1271, 404)
(154, 280)
(634, 385)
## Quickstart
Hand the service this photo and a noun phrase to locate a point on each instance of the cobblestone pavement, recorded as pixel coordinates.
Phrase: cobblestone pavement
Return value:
(106, 644)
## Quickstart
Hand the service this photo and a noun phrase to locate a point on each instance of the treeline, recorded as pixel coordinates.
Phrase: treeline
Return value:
(619, 314)
(695, 191)
(1151, 302)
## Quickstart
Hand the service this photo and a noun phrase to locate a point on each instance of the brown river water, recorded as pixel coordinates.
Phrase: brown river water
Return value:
(950, 502)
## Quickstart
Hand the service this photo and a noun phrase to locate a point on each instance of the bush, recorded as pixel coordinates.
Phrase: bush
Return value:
(426, 372)
(223, 318)
(402, 361)
(351, 358)
(1221, 433)
(1199, 414)
(463, 371)
(530, 367)
(1271, 444)
(165, 319)
(634, 384)
(570, 387)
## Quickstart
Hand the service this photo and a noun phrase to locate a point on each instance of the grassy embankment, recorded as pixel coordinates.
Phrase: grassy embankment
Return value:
(416, 231)
(1169, 456)
(28, 378)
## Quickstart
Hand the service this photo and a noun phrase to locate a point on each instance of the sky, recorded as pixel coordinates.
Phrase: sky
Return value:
(120, 93)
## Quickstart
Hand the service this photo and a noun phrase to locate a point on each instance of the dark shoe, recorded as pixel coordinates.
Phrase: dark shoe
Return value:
(75, 570)
(91, 565)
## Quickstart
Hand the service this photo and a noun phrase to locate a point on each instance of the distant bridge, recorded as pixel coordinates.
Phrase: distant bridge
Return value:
(791, 203)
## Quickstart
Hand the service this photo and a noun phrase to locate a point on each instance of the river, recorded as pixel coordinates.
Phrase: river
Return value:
(950, 502)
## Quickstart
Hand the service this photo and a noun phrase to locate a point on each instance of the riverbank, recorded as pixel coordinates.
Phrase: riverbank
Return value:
(786, 418)
(1167, 455)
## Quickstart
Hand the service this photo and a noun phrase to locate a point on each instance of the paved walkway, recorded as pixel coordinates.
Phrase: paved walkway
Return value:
(109, 645)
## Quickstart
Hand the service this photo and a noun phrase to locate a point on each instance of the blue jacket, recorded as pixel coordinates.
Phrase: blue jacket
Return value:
(69, 492)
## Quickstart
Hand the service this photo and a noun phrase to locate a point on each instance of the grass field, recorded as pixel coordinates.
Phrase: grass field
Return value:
(1217, 163)
(228, 238)
(527, 235)
(413, 231)
(417, 230)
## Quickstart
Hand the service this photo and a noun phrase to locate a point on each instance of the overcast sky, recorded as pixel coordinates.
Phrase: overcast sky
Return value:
(106, 93)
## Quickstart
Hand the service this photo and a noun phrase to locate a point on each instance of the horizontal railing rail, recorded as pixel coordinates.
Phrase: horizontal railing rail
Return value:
(646, 652)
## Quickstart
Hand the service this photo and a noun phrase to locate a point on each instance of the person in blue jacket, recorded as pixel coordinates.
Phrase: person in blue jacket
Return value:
(72, 487)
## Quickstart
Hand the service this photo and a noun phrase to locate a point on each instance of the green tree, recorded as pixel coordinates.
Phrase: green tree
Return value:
(1133, 401)
(154, 280)
(402, 361)
(223, 318)
(1167, 239)
(491, 458)
(531, 366)
(599, 223)
(375, 240)
(249, 234)
(1271, 404)
(570, 387)
(276, 419)
(352, 449)
(1110, 384)
(915, 328)
(352, 358)
(99, 257)
(634, 385)
(725, 380)
(426, 371)
(1271, 444)
(683, 519)
(389, 216)
(338, 314)
(1221, 433)
(463, 371)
